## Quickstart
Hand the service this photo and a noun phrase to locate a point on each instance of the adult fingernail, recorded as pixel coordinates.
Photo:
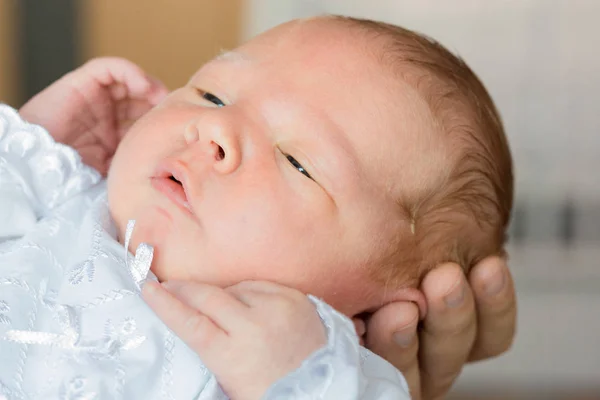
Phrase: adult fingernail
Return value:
(404, 338)
(495, 283)
(456, 296)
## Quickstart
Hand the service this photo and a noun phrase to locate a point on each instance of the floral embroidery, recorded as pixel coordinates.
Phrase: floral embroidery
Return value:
(52, 225)
(75, 390)
(81, 271)
(6, 393)
(4, 309)
(125, 334)
(111, 295)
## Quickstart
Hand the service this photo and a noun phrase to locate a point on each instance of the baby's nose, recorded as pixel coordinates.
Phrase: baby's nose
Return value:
(218, 144)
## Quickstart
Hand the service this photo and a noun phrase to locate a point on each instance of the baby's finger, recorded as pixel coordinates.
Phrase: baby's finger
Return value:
(195, 329)
(157, 92)
(262, 287)
(448, 329)
(118, 91)
(128, 111)
(132, 109)
(124, 127)
(256, 293)
(107, 71)
(496, 308)
(95, 156)
(151, 93)
(223, 308)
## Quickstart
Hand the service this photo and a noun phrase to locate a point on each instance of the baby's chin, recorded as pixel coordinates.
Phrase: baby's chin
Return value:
(158, 267)
(150, 228)
(149, 234)
(170, 255)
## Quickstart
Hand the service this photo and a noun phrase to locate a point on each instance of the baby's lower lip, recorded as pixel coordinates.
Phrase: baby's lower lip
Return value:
(173, 191)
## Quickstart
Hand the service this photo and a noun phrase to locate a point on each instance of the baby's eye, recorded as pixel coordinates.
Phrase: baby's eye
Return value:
(298, 166)
(212, 98)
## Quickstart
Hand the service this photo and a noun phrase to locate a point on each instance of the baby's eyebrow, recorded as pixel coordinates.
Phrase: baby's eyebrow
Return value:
(233, 56)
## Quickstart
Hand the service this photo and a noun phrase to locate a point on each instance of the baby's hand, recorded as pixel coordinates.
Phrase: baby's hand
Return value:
(92, 107)
(249, 335)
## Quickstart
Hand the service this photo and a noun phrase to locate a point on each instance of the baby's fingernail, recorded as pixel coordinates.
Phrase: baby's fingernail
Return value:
(456, 296)
(404, 338)
(495, 283)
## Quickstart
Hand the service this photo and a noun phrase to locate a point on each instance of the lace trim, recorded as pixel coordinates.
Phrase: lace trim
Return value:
(48, 173)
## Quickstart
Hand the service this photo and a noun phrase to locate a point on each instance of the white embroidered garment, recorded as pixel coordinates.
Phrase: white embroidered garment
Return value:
(72, 322)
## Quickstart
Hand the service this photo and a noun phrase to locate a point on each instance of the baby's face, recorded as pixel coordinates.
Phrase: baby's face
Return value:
(294, 180)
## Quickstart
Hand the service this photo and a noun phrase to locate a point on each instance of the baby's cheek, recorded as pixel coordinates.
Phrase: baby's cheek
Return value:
(116, 208)
(350, 293)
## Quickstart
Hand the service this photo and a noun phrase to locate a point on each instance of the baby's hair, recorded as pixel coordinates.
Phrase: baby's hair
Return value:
(464, 218)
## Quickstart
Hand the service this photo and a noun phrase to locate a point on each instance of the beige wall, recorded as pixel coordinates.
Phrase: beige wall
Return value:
(170, 39)
(8, 59)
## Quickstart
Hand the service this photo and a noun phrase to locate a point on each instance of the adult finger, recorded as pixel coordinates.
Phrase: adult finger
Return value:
(197, 330)
(448, 329)
(496, 306)
(391, 333)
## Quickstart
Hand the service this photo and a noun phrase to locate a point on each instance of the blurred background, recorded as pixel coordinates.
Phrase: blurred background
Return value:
(537, 59)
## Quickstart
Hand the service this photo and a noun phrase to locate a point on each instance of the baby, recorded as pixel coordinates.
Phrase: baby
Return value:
(333, 157)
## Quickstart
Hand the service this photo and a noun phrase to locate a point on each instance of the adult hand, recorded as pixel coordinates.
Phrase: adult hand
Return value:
(466, 321)
(92, 107)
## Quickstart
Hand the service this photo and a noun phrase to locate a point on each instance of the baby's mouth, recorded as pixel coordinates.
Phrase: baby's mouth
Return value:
(173, 189)
(169, 181)
(175, 180)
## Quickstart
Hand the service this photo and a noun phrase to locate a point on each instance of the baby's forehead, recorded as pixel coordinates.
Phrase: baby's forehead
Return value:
(319, 36)
(315, 42)
(380, 113)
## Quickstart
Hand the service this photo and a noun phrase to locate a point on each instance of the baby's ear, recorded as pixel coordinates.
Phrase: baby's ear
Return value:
(407, 294)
